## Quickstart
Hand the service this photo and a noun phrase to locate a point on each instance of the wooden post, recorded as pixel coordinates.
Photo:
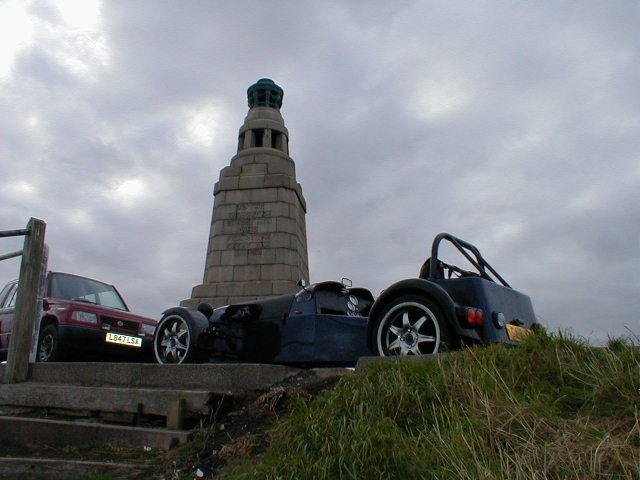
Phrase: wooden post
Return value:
(41, 293)
(17, 368)
(175, 413)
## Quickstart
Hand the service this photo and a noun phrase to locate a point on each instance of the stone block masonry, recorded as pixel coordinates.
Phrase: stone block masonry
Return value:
(257, 242)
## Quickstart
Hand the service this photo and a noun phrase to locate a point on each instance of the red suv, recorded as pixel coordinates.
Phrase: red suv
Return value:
(81, 315)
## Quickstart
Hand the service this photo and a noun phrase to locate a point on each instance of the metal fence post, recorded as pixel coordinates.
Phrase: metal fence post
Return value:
(17, 368)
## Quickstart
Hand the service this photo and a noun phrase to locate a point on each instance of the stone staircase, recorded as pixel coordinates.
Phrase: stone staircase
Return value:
(115, 405)
(65, 469)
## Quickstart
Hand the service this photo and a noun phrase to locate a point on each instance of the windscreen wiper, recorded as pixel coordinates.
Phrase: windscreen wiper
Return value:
(83, 300)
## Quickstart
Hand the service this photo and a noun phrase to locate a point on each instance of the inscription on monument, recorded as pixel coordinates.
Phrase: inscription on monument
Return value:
(251, 210)
(245, 225)
(249, 242)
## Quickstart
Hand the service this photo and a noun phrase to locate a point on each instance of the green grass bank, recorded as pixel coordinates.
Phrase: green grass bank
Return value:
(554, 408)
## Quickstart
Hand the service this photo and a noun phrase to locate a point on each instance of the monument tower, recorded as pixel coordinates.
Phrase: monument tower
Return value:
(258, 241)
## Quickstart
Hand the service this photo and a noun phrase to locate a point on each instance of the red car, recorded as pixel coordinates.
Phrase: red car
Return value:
(81, 315)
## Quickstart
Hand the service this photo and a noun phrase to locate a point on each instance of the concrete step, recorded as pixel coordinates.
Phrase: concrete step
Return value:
(154, 401)
(234, 378)
(21, 431)
(64, 469)
(366, 362)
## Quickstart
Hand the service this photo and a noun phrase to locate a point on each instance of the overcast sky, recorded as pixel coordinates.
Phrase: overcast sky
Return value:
(514, 125)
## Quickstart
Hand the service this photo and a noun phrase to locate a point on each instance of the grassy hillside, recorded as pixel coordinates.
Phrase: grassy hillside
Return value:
(554, 408)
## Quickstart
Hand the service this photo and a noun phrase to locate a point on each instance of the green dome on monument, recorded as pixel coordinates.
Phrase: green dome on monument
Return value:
(265, 93)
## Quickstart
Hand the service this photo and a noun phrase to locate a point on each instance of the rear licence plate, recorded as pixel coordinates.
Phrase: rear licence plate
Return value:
(518, 333)
(123, 339)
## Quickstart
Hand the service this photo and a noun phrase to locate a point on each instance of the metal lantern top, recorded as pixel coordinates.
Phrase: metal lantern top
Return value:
(265, 93)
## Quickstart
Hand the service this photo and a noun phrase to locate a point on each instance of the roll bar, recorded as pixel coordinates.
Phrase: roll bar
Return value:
(464, 247)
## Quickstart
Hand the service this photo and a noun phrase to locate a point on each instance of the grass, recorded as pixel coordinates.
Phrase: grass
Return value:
(102, 476)
(554, 408)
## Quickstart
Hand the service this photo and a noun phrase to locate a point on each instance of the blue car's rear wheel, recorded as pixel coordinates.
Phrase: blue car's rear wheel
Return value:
(409, 325)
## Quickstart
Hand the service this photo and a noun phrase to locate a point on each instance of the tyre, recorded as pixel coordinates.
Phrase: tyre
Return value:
(49, 349)
(410, 325)
(175, 340)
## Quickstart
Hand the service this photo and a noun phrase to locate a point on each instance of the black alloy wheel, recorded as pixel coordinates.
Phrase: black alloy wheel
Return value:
(410, 325)
(175, 339)
(48, 344)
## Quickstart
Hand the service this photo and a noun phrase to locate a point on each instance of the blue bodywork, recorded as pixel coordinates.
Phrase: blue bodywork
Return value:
(330, 323)
(323, 324)
(492, 299)
(323, 339)
(454, 295)
(455, 291)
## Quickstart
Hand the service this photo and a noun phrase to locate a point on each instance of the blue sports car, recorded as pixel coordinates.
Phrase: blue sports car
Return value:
(332, 323)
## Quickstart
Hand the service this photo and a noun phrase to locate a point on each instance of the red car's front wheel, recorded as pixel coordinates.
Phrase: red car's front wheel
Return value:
(49, 348)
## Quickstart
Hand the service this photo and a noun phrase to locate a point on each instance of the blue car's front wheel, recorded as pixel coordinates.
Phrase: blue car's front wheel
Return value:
(409, 325)
(175, 338)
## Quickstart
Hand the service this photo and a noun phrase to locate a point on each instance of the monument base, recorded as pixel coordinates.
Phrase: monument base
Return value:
(258, 245)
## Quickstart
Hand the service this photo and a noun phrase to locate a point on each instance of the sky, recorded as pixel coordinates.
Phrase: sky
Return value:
(513, 125)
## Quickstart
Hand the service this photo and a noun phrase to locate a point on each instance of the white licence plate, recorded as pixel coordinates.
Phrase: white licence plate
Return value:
(124, 339)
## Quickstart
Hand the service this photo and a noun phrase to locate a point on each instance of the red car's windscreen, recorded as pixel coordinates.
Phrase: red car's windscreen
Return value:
(69, 287)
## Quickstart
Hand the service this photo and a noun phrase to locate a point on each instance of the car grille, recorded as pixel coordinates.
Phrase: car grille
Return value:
(120, 325)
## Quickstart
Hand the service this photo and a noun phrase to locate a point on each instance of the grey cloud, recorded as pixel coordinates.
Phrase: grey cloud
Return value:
(514, 125)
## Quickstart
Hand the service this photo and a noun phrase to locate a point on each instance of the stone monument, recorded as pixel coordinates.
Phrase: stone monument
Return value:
(258, 241)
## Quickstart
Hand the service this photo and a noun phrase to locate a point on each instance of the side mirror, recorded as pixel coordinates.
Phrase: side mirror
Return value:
(346, 282)
(302, 283)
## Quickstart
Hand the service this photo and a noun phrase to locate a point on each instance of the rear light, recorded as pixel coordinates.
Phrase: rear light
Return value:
(475, 317)
(471, 316)
(84, 317)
